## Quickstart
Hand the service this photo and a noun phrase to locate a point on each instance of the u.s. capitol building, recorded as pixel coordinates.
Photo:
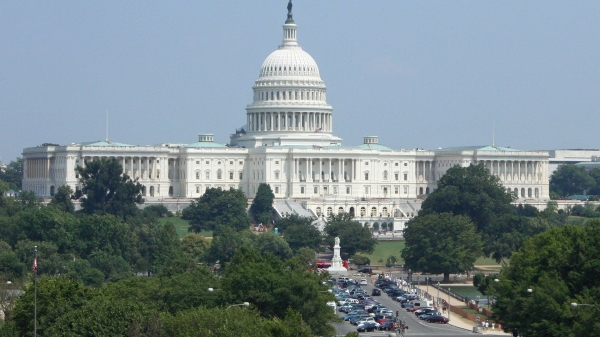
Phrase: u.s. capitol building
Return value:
(288, 142)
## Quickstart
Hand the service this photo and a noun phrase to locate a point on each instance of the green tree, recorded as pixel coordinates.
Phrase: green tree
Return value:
(441, 244)
(55, 297)
(262, 205)
(291, 220)
(217, 209)
(13, 174)
(11, 269)
(353, 236)
(107, 190)
(595, 174)
(194, 246)
(303, 235)
(62, 199)
(571, 179)
(272, 286)
(270, 242)
(550, 271)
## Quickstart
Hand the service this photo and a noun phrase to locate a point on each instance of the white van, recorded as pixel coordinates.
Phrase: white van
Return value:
(418, 304)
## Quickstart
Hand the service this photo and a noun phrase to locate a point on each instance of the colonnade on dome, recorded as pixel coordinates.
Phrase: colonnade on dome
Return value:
(289, 121)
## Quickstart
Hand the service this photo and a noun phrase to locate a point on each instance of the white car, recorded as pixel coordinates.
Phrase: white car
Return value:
(363, 282)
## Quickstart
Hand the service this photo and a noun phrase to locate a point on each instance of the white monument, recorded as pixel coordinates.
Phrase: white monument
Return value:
(337, 267)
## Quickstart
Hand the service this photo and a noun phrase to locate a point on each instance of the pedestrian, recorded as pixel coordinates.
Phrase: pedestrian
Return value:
(493, 325)
(487, 325)
(444, 309)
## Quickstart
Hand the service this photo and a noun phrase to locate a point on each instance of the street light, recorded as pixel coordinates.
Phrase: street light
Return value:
(448, 304)
(438, 297)
(245, 304)
(575, 305)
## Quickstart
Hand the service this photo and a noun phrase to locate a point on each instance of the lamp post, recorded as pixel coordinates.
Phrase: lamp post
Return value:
(245, 304)
(438, 297)
(575, 305)
(448, 304)
(419, 284)
(427, 279)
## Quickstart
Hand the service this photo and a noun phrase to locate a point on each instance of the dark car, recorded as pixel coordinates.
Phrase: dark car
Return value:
(367, 326)
(366, 270)
(437, 319)
(424, 311)
(387, 325)
(376, 292)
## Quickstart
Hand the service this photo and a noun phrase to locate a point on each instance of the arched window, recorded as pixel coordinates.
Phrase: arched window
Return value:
(363, 211)
(207, 174)
(385, 175)
(373, 211)
(523, 192)
(329, 210)
(537, 192)
(197, 175)
(529, 194)
(420, 190)
(340, 210)
(384, 226)
(384, 211)
(427, 190)
(219, 174)
(318, 211)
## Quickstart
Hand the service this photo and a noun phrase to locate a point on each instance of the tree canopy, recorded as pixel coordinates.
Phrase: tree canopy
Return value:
(441, 244)
(107, 190)
(262, 205)
(353, 236)
(13, 174)
(552, 270)
(217, 209)
(571, 179)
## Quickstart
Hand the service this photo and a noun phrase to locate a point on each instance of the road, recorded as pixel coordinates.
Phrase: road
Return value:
(416, 326)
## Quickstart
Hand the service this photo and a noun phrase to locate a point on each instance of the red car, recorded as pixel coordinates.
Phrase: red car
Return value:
(437, 319)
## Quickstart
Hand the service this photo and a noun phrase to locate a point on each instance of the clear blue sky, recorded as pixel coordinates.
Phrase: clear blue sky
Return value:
(424, 74)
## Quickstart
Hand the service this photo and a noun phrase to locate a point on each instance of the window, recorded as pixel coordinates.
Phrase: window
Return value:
(219, 174)
(240, 175)
(340, 210)
(329, 211)
(396, 175)
(363, 211)
(276, 189)
(385, 175)
(366, 189)
(197, 175)
(230, 175)
(405, 164)
(316, 190)
(197, 162)
(366, 175)
(197, 189)
(318, 211)
(302, 190)
(207, 162)
(241, 163)
(405, 176)
(219, 163)
(207, 174)
(385, 191)
(384, 211)
(373, 211)
(396, 164)
(231, 162)
(396, 190)
(276, 174)
(277, 162)
(405, 189)
(347, 189)
(367, 163)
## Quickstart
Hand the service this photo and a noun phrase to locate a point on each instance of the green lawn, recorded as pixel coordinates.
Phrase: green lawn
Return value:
(386, 248)
(181, 226)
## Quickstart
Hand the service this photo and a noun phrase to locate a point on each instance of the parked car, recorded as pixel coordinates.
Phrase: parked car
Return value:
(437, 319)
(363, 282)
(427, 310)
(366, 270)
(387, 325)
(367, 326)
(376, 292)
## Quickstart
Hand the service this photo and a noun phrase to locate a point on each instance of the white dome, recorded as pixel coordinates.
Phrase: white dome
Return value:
(289, 61)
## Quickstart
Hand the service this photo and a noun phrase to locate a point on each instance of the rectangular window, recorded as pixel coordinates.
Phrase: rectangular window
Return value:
(241, 163)
(276, 175)
(276, 189)
(197, 162)
(347, 189)
(335, 191)
(405, 164)
(207, 162)
(277, 162)
(396, 190)
(366, 175)
(405, 176)
(396, 176)
(197, 189)
(240, 175)
(207, 174)
(405, 189)
(366, 190)
(230, 175)
(231, 162)
(396, 164)
(302, 190)
(316, 190)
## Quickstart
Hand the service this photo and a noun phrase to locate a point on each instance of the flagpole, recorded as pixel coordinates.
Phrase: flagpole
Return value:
(35, 257)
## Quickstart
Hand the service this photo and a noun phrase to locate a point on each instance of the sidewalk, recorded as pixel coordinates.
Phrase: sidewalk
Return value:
(457, 320)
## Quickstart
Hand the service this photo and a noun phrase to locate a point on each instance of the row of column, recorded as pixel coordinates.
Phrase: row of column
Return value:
(424, 171)
(144, 167)
(327, 166)
(318, 95)
(289, 121)
(506, 170)
(37, 168)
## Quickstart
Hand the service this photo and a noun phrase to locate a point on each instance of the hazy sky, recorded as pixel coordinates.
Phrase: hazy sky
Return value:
(422, 74)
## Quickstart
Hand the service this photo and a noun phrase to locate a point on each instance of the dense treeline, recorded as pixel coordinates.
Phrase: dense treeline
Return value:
(114, 270)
